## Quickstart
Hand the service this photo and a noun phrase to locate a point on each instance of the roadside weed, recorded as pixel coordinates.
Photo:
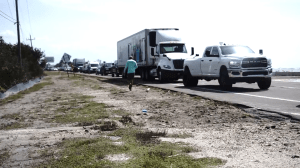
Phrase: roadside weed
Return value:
(94, 152)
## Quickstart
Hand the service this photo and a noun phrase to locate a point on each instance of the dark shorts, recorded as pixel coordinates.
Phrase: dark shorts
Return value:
(130, 76)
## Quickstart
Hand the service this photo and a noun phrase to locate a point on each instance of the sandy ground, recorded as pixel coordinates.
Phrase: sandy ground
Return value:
(242, 137)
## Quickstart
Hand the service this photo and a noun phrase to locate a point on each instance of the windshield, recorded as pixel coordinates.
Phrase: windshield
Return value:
(227, 50)
(170, 48)
(79, 64)
(108, 65)
(94, 65)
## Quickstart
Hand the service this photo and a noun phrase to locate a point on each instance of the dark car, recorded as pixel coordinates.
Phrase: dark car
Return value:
(105, 68)
(114, 70)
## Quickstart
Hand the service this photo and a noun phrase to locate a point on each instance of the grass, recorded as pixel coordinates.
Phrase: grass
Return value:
(3, 156)
(79, 108)
(93, 152)
(89, 113)
(180, 135)
(13, 125)
(21, 94)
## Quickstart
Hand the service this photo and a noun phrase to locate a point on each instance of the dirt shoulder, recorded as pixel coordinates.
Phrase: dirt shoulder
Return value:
(41, 120)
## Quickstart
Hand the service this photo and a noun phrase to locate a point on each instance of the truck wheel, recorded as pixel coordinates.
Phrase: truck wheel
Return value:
(147, 76)
(224, 80)
(188, 80)
(142, 74)
(160, 76)
(264, 84)
(113, 75)
(117, 75)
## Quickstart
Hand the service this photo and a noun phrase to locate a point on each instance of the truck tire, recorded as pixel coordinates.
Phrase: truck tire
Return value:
(147, 76)
(224, 80)
(264, 84)
(188, 80)
(160, 75)
(117, 75)
(142, 74)
(112, 75)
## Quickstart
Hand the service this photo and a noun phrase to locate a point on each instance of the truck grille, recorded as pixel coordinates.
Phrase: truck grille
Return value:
(255, 73)
(254, 62)
(178, 64)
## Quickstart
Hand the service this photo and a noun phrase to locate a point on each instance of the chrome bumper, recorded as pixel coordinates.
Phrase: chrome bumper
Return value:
(246, 73)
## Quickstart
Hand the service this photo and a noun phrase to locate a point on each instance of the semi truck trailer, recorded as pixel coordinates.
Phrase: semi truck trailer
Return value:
(158, 52)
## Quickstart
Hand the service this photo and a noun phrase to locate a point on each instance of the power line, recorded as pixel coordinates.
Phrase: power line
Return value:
(29, 17)
(9, 9)
(6, 18)
(7, 15)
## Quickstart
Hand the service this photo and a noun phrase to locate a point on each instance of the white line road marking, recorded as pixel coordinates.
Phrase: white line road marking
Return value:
(266, 97)
(286, 80)
(288, 87)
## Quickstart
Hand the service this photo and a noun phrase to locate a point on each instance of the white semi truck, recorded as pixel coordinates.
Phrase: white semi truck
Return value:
(158, 53)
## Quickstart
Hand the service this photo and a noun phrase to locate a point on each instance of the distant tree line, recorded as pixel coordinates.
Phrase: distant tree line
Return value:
(11, 72)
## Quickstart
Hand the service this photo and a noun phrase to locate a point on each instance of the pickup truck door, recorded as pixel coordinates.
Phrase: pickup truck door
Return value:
(214, 63)
(205, 62)
(195, 66)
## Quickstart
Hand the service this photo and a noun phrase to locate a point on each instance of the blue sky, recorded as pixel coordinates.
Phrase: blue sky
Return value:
(90, 29)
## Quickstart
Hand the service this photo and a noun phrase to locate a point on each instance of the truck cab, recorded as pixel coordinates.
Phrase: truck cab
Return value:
(229, 64)
(171, 57)
(92, 67)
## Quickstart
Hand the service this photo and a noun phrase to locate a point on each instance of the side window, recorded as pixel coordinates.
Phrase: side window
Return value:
(207, 50)
(215, 52)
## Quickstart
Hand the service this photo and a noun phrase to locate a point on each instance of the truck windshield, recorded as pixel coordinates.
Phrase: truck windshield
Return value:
(170, 48)
(94, 65)
(108, 65)
(227, 50)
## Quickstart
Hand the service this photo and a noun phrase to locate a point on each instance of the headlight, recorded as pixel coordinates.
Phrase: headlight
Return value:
(167, 66)
(234, 64)
(269, 62)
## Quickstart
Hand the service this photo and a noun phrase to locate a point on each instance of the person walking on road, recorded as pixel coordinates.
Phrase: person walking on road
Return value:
(131, 65)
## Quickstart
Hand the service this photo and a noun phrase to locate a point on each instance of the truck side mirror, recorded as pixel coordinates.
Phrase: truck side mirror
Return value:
(192, 51)
(207, 53)
(197, 55)
(261, 52)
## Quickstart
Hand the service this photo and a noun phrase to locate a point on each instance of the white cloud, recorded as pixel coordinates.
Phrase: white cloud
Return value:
(8, 33)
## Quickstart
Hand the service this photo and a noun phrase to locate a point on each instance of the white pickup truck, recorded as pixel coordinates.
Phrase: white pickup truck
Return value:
(229, 64)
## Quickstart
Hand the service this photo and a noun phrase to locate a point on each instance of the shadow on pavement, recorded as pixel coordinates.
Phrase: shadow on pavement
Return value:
(217, 89)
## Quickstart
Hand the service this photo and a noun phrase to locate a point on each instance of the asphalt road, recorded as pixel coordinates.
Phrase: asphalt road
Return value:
(282, 97)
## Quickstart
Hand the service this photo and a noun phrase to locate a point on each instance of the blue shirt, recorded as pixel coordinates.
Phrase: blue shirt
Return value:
(131, 65)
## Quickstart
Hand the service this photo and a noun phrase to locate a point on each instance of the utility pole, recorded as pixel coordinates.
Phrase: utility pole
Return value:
(1, 41)
(31, 40)
(18, 29)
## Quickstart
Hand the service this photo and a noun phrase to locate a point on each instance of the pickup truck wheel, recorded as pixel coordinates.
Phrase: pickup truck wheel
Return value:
(112, 75)
(117, 75)
(264, 84)
(224, 80)
(188, 80)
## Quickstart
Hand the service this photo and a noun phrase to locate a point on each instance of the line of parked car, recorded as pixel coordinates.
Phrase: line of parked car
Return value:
(100, 69)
